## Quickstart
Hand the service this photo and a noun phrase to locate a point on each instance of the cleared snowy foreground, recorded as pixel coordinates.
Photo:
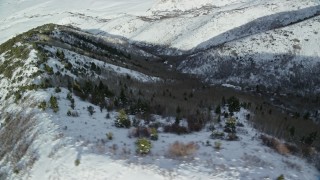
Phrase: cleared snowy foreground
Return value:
(65, 147)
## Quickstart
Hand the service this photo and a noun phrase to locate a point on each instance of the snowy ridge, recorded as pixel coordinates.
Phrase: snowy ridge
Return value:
(28, 69)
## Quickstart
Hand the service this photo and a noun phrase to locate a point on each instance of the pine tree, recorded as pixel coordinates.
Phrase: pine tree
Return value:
(123, 98)
(218, 109)
(91, 110)
(233, 104)
(223, 101)
(122, 120)
(54, 104)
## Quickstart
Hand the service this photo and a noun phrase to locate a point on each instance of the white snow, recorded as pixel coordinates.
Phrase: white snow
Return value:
(62, 139)
(181, 24)
(298, 41)
(84, 138)
(184, 5)
(26, 70)
(231, 86)
(19, 16)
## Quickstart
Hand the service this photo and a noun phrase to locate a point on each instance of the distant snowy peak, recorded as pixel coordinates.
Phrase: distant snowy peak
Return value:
(178, 24)
(261, 24)
(186, 25)
(185, 5)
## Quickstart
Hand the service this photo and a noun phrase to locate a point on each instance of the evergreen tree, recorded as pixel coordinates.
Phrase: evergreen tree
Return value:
(223, 101)
(233, 104)
(122, 98)
(54, 104)
(178, 117)
(122, 121)
(60, 54)
(178, 110)
(91, 110)
(218, 109)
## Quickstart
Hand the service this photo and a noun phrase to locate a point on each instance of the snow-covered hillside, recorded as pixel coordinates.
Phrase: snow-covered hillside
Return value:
(61, 140)
(19, 16)
(286, 58)
(55, 132)
(84, 138)
(263, 31)
(63, 88)
(177, 24)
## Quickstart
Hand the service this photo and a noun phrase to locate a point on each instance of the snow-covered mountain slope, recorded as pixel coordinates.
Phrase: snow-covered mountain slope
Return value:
(185, 5)
(286, 58)
(200, 27)
(50, 129)
(276, 41)
(177, 24)
(19, 16)
(56, 123)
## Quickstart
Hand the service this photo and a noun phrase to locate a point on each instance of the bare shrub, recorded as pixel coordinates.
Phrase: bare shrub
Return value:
(294, 149)
(232, 137)
(174, 128)
(308, 151)
(179, 149)
(17, 138)
(125, 151)
(140, 132)
(100, 148)
(113, 149)
(253, 160)
(275, 144)
(296, 46)
(217, 145)
(195, 122)
(217, 135)
(281, 148)
(109, 136)
(73, 113)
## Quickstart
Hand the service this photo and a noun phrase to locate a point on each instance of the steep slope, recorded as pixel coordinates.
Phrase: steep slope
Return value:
(176, 29)
(62, 88)
(30, 64)
(285, 59)
(54, 122)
